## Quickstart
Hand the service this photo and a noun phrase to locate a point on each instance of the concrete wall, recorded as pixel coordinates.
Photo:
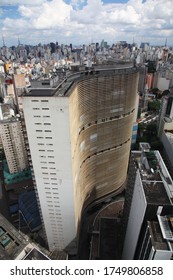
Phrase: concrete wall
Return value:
(90, 132)
(101, 117)
(163, 83)
(168, 147)
(47, 123)
(137, 212)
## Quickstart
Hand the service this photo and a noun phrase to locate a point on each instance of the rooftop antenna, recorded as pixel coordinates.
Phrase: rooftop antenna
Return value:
(18, 41)
(166, 42)
(3, 41)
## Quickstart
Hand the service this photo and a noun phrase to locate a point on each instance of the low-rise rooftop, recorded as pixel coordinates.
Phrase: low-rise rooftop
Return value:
(12, 242)
(158, 241)
(157, 182)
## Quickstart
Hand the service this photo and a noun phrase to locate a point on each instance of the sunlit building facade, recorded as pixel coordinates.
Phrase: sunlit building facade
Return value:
(79, 136)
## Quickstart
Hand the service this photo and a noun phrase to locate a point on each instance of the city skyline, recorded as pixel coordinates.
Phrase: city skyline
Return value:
(81, 21)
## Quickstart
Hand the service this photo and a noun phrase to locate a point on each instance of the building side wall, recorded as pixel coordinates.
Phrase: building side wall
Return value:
(137, 212)
(47, 124)
(163, 83)
(168, 147)
(163, 255)
(101, 116)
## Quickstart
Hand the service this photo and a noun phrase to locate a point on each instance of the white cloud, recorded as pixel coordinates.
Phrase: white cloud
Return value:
(77, 3)
(82, 20)
(21, 2)
(53, 14)
(29, 12)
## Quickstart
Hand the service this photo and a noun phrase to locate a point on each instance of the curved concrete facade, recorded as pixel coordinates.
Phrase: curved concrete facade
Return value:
(79, 136)
(101, 115)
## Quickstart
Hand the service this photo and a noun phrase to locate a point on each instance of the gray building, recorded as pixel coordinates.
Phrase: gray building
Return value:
(14, 245)
(149, 231)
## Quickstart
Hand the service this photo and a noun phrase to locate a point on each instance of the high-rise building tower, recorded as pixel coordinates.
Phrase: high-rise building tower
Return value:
(12, 140)
(79, 136)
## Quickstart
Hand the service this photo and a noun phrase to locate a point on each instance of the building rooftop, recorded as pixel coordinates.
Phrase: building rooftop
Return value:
(40, 92)
(36, 254)
(63, 87)
(155, 193)
(166, 225)
(106, 239)
(12, 242)
(157, 183)
(109, 238)
(156, 235)
(14, 245)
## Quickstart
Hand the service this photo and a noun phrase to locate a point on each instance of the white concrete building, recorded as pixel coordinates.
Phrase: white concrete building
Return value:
(47, 123)
(165, 121)
(71, 135)
(150, 210)
(167, 140)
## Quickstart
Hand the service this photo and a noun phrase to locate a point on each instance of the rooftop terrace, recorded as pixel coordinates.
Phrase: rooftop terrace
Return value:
(64, 86)
(156, 235)
(157, 183)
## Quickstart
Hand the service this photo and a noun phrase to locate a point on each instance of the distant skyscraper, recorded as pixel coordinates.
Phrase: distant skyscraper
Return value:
(79, 136)
(97, 47)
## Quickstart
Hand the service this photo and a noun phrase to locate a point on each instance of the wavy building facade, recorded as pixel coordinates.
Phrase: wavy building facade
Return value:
(79, 136)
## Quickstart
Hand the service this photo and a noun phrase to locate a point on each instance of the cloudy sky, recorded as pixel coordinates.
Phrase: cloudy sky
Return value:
(86, 21)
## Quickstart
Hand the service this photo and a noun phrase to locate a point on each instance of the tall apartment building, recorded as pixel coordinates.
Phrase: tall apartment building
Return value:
(13, 141)
(79, 136)
(149, 227)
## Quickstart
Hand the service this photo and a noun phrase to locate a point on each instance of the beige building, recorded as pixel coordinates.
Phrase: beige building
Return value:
(13, 143)
(79, 136)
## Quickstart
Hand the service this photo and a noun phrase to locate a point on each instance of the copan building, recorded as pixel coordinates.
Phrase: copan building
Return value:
(79, 136)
